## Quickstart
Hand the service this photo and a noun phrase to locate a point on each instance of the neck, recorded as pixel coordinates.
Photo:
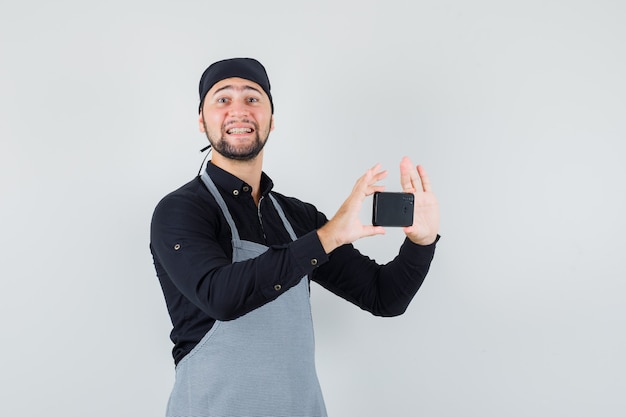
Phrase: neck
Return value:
(248, 171)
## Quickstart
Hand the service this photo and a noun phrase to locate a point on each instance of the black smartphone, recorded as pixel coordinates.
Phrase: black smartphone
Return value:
(393, 209)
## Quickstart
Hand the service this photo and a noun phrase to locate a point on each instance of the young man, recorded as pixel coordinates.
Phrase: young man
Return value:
(234, 259)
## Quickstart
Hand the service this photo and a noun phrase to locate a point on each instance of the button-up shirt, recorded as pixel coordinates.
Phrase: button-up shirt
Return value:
(192, 252)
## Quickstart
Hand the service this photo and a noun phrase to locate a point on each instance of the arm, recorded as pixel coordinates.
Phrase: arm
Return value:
(381, 289)
(185, 242)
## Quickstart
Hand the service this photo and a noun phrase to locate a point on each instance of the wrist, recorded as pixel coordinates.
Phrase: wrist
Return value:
(329, 243)
(425, 241)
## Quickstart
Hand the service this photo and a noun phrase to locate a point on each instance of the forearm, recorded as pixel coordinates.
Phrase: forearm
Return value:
(225, 290)
(383, 290)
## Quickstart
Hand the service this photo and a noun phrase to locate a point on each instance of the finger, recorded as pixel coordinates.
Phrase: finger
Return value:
(366, 185)
(416, 183)
(372, 176)
(374, 170)
(406, 166)
(373, 230)
(376, 174)
(380, 176)
(424, 178)
(373, 189)
(369, 174)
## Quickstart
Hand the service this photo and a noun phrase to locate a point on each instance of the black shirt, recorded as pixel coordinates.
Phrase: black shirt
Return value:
(192, 251)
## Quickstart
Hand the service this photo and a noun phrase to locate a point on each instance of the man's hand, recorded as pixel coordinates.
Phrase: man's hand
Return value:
(345, 226)
(426, 216)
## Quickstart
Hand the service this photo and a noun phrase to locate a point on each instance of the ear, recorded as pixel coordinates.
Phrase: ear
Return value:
(272, 123)
(201, 123)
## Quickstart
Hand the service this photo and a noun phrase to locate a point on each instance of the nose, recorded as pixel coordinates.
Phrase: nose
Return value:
(238, 108)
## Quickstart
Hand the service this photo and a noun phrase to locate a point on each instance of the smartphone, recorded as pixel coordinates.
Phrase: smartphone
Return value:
(393, 209)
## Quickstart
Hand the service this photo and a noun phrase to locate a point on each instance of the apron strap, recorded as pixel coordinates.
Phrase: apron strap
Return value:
(229, 219)
(281, 213)
(220, 202)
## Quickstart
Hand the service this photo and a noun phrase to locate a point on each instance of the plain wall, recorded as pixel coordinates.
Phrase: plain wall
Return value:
(516, 109)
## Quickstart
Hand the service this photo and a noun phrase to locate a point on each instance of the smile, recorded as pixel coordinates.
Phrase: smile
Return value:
(239, 130)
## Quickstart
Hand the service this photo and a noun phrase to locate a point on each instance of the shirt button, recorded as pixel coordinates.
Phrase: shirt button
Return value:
(246, 188)
(177, 246)
(313, 261)
(277, 287)
(235, 192)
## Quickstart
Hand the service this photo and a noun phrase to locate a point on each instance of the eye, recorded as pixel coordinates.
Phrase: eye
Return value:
(222, 100)
(253, 100)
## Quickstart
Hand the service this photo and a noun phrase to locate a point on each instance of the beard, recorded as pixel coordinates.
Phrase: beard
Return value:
(237, 152)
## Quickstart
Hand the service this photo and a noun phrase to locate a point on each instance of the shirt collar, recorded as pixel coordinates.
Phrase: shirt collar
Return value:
(233, 185)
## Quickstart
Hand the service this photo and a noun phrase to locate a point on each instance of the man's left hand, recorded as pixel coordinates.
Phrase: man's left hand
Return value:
(426, 215)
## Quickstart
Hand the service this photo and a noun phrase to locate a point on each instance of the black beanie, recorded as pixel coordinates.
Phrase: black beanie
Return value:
(246, 68)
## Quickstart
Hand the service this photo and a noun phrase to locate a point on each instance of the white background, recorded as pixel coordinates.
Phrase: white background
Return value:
(517, 110)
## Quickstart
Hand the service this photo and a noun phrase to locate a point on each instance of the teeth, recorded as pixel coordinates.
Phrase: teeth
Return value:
(239, 130)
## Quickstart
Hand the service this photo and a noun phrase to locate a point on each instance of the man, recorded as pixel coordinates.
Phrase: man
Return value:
(234, 259)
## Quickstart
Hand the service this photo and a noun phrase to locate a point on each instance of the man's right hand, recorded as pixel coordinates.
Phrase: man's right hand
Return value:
(346, 226)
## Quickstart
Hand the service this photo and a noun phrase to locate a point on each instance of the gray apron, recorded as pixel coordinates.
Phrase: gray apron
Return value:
(259, 365)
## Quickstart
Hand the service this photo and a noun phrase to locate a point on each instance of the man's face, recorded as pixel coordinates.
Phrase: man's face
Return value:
(237, 118)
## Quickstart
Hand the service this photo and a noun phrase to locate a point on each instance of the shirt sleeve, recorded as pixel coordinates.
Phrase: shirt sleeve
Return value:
(383, 290)
(184, 242)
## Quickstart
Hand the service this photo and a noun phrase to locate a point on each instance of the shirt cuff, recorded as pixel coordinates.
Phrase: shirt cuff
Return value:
(308, 252)
(418, 254)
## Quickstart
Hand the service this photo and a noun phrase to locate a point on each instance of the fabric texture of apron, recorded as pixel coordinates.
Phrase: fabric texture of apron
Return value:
(261, 364)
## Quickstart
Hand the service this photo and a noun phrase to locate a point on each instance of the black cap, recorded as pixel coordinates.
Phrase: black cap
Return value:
(246, 68)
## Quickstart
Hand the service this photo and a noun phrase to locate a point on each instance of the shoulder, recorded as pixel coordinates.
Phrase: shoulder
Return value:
(186, 203)
(193, 192)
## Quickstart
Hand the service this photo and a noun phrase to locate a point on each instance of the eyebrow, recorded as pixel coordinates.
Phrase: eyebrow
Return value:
(232, 87)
